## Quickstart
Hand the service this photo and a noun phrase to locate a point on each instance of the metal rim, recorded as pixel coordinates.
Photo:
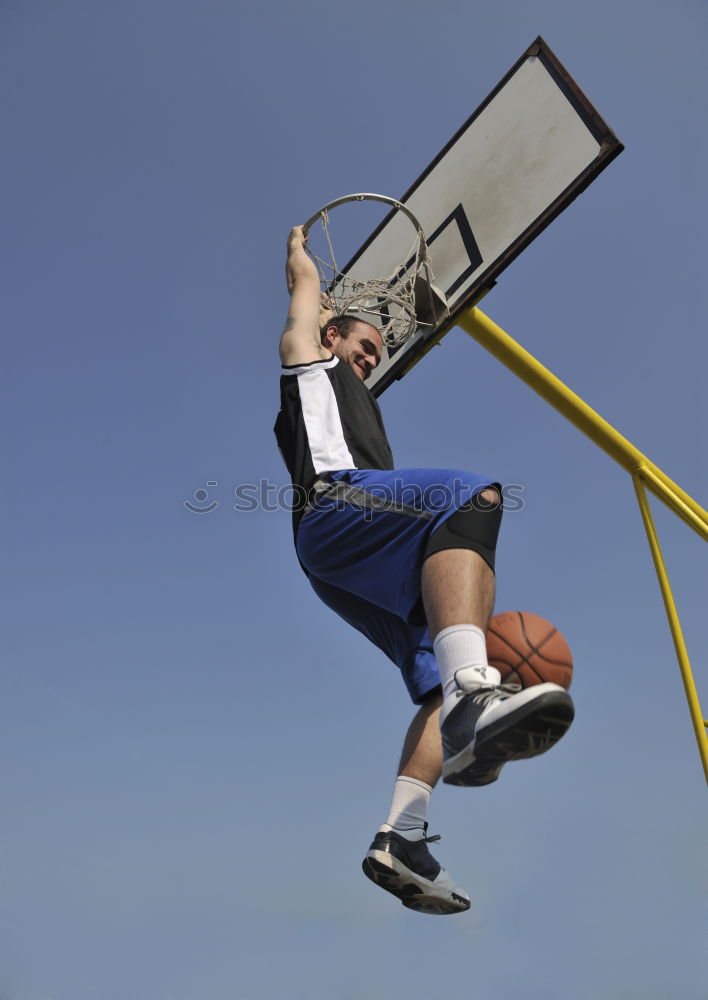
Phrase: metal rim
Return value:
(365, 197)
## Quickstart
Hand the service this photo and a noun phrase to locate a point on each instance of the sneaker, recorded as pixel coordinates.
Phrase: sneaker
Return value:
(490, 726)
(407, 869)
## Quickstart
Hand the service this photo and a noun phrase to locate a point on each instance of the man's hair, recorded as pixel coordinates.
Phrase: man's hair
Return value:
(343, 324)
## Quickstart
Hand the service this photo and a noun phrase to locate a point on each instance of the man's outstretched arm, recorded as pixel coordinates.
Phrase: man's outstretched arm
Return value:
(300, 342)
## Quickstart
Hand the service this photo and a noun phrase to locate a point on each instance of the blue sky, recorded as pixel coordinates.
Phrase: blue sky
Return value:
(195, 752)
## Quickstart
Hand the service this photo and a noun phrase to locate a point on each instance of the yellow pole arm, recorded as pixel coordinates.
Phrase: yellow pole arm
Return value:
(674, 624)
(511, 354)
(643, 472)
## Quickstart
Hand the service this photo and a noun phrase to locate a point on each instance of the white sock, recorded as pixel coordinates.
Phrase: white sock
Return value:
(461, 654)
(409, 808)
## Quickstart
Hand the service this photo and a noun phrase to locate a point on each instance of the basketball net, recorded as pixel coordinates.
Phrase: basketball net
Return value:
(398, 304)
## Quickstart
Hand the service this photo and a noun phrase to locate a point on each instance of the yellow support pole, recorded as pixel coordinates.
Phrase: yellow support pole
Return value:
(684, 664)
(511, 354)
(643, 472)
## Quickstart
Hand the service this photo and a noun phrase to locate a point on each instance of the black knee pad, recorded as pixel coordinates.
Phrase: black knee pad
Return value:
(474, 526)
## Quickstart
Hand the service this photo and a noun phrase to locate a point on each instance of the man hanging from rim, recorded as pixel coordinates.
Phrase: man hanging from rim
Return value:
(406, 556)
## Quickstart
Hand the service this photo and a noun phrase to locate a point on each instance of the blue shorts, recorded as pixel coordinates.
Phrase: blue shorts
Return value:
(364, 554)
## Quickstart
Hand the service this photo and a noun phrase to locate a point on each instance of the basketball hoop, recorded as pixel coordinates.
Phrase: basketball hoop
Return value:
(397, 304)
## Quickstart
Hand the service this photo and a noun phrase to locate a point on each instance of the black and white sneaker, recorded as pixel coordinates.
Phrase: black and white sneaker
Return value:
(407, 869)
(490, 726)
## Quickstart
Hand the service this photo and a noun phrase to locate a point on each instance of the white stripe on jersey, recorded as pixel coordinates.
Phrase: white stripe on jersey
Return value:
(320, 413)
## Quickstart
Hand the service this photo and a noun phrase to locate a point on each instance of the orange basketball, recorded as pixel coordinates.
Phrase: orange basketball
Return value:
(528, 650)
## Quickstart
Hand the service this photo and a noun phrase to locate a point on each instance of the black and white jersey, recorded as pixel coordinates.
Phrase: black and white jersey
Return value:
(328, 422)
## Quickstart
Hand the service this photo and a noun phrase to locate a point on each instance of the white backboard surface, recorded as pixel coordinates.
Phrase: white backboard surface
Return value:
(532, 146)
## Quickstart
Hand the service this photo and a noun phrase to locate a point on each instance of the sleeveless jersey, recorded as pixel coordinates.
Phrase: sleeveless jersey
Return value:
(328, 422)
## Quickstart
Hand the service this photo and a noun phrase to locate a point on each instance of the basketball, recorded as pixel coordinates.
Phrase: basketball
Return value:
(528, 650)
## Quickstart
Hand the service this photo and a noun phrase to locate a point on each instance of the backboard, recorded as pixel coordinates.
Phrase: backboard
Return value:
(527, 151)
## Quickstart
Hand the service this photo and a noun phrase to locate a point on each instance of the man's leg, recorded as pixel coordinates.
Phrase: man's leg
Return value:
(484, 723)
(398, 859)
(421, 757)
(458, 586)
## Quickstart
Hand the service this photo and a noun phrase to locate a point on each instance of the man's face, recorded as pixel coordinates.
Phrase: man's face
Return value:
(361, 350)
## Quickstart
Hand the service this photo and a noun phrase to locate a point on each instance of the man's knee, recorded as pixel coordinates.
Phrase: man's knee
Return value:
(487, 498)
(473, 526)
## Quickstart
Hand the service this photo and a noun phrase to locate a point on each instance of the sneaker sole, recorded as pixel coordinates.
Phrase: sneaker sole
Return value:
(416, 893)
(480, 774)
(529, 731)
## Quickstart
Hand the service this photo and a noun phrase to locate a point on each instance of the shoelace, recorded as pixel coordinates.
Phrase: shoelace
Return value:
(481, 695)
(426, 838)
